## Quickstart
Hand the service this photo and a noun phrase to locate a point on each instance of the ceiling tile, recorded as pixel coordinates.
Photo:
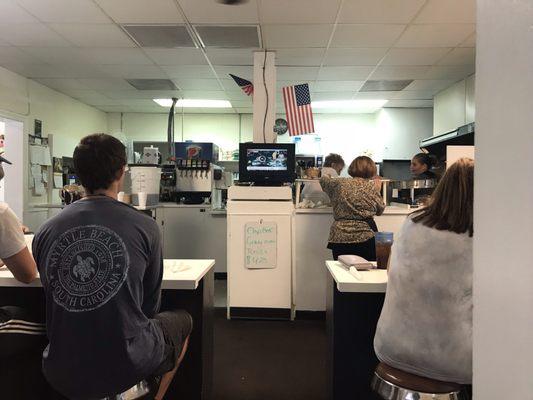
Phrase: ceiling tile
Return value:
(409, 104)
(230, 56)
(341, 86)
(415, 56)
(88, 95)
(379, 11)
(332, 96)
(62, 84)
(106, 84)
(132, 71)
(414, 95)
(454, 72)
(296, 57)
(245, 72)
(198, 84)
(399, 72)
(344, 73)
(189, 71)
(56, 71)
(299, 11)
(241, 96)
(140, 94)
(114, 109)
(448, 11)
(33, 34)
(11, 13)
(435, 35)
(226, 36)
(176, 56)
(282, 36)
(460, 56)
(14, 55)
(57, 55)
(292, 82)
(141, 11)
(205, 94)
(366, 35)
(357, 56)
(93, 35)
(299, 73)
(71, 11)
(116, 56)
(209, 12)
(379, 95)
(470, 41)
(429, 85)
(230, 85)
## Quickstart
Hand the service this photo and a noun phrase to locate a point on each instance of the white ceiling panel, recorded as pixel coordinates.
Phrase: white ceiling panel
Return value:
(460, 56)
(176, 56)
(189, 71)
(209, 12)
(414, 95)
(307, 35)
(93, 35)
(415, 56)
(116, 56)
(141, 11)
(341, 86)
(379, 11)
(14, 55)
(89, 95)
(470, 41)
(140, 94)
(114, 109)
(204, 94)
(292, 82)
(197, 84)
(106, 84)
(55, 71)
(409, 104)
(300, 57)
(63, 85)
(344, 73)
(230, 85)
(429, 85)
(299, 73)
(298, 11)
(377, 95)
(12, 13)
(71, 11)
(454, 72)
(57, 55)
(448, 11)
(332, 95)
(399, 72)
(245, 72)
(435, 35)
(34, 34)
(132, 71)
(366, 35)
(230, 56)
(240, 96)
(357, 56)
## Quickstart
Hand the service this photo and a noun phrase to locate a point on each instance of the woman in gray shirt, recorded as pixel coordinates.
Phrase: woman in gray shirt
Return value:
(425, 326)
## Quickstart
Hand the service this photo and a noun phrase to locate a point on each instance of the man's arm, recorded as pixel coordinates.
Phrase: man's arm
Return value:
(153, 277)
(22, 265)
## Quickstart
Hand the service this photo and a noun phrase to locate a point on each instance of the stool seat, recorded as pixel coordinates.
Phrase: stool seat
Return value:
(394, 384)
(137, 392)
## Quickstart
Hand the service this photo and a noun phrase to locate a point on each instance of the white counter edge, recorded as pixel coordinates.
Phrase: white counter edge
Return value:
(346, 283)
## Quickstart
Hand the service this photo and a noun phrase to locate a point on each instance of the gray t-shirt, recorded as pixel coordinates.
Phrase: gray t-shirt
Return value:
(101, 268)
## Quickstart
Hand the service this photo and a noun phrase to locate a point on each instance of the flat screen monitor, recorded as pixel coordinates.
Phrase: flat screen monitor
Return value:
(266, 164)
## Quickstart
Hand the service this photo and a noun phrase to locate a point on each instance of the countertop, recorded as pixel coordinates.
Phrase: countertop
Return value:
(373, 281)
(177, 274)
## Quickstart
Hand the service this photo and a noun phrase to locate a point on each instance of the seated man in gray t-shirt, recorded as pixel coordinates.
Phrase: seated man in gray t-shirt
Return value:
(101, 268)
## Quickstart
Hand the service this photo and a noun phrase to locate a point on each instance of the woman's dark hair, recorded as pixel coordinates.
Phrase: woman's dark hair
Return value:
(451, 207)
(98, 161)
(427, 159)
(333, 158)
(362, 167)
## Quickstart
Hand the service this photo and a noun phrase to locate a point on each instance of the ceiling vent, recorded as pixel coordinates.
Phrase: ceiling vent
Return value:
(162, 36)
(152, 84)
(229, 36)
(385, 86)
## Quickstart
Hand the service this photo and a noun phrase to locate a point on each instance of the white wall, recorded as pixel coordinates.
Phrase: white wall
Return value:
(67, 119)
(390, 133)
(503, 254)
(454, 106)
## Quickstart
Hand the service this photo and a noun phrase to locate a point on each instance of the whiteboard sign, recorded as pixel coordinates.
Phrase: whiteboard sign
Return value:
(260, 245)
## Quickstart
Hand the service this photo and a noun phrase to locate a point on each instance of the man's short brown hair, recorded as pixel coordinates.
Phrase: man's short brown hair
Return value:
(362, 167)
(333, 158)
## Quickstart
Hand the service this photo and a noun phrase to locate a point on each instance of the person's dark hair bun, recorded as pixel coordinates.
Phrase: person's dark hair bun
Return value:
(428, 159)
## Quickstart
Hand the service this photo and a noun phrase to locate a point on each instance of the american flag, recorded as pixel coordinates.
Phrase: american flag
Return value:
(246, 86)
(298, 109)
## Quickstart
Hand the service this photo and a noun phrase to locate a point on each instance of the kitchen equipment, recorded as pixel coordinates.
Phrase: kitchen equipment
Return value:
(71, 193)
(167, 188)
(414, 191)
(145, 178)
(151, 155)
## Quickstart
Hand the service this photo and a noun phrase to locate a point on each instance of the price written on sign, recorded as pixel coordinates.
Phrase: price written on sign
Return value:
(260, 245)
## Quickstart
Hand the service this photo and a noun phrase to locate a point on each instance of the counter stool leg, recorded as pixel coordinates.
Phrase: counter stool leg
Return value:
(167, 378)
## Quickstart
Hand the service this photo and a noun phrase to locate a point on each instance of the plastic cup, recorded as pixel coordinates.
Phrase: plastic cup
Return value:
(384, 242)
(143, 196)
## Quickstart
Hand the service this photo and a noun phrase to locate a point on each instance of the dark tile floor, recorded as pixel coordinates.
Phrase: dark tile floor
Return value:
(262, 360)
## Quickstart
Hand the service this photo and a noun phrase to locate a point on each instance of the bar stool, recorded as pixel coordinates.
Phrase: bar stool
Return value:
(137, 392)
(393, 384)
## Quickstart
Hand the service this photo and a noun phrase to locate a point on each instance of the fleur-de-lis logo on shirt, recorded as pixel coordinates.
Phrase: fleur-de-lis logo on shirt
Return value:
(84, 268)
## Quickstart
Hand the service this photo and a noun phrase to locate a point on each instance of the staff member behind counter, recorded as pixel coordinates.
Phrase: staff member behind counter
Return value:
(421, 165)
(355, 202)
(333, 165)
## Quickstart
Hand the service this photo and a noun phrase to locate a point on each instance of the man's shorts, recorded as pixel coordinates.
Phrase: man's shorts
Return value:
(176, 327)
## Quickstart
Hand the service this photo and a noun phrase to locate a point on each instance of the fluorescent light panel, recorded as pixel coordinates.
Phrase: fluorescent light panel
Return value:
(363, 106)
(194, 103)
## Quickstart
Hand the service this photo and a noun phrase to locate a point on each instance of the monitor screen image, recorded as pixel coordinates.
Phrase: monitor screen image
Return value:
(266, 159)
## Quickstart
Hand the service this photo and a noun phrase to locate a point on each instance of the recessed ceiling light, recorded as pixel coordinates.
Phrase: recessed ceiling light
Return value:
(194, 103)
(361, 106)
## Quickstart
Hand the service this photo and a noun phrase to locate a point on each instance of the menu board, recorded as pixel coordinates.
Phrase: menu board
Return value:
(260, 245)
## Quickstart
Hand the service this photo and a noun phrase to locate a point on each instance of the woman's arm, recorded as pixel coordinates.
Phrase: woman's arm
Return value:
(328, 184)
